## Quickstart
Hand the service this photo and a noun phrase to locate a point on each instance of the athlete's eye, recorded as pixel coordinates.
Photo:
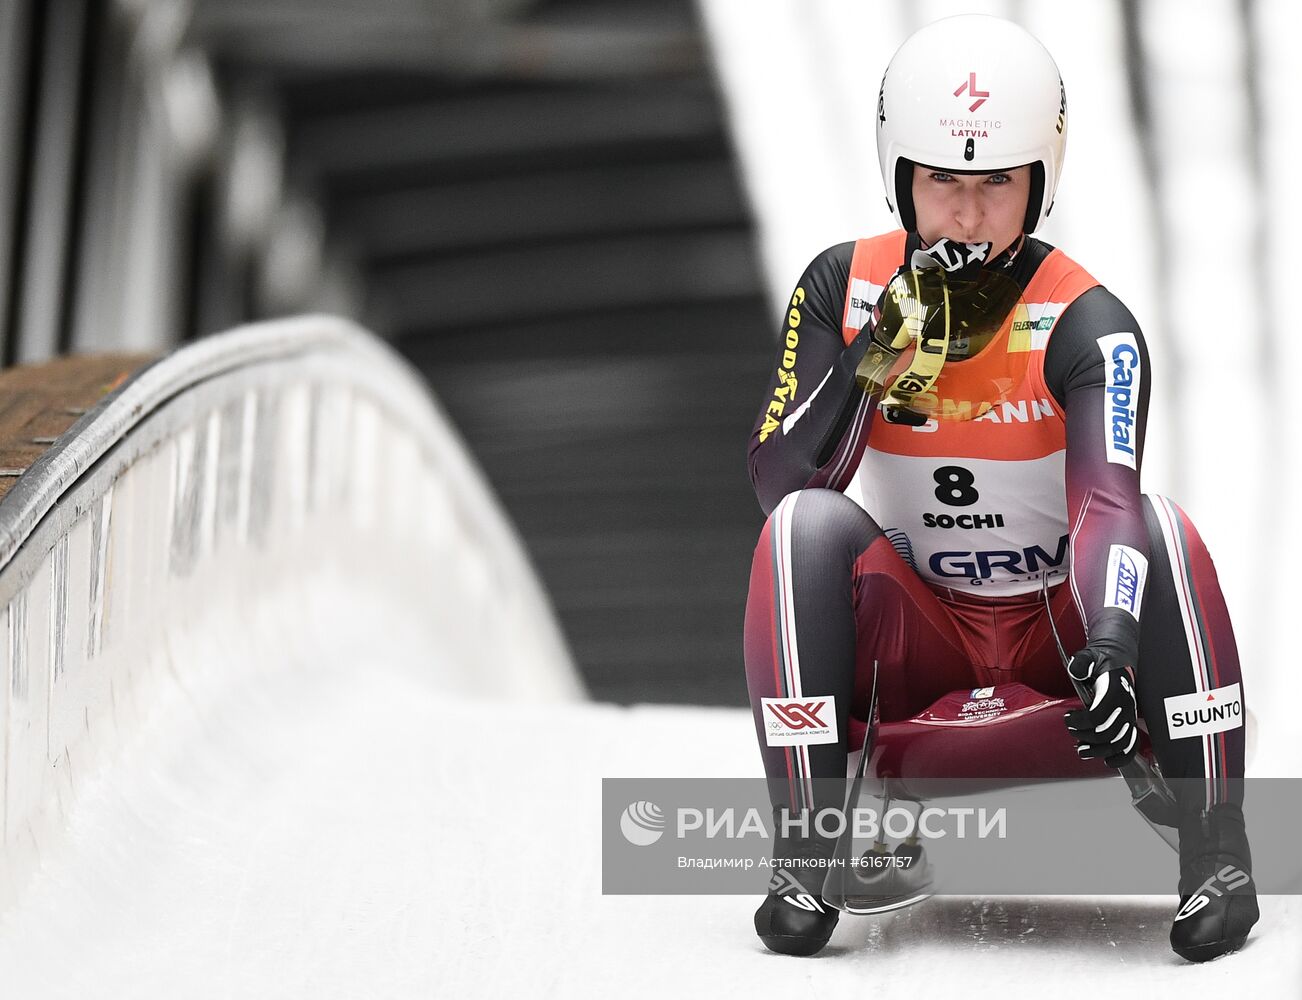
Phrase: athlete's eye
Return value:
(998, 179)
(941, 176)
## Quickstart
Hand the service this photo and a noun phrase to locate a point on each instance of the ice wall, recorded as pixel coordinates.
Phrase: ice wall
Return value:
(285, 493)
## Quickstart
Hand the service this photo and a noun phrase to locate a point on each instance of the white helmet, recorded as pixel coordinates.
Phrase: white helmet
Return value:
(972, 94)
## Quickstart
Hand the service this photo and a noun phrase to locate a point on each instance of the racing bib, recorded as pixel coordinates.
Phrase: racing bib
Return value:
(979, 502)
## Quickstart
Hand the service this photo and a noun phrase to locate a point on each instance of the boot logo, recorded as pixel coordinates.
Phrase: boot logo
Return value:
(802, 899)
(1231, 876)
(805, 901)
(1194, 904)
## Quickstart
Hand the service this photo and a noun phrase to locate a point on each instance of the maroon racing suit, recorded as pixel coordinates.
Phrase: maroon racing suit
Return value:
(930, 550)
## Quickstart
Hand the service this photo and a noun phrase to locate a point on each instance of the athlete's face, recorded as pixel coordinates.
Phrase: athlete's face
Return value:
(971, 208)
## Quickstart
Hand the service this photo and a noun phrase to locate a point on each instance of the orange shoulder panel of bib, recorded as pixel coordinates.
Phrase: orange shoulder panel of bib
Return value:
(875, 261)
(1058, 279)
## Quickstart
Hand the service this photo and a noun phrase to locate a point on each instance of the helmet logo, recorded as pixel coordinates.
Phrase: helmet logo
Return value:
(970, 85)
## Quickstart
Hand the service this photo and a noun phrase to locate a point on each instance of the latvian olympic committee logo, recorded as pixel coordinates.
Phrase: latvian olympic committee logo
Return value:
(795, 722)
(642, 823)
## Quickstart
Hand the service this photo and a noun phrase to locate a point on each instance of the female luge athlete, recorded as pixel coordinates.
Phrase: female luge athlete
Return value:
(922, 542)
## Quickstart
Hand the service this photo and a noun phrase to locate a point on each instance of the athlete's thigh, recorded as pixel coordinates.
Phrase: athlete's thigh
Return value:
(1035, 659)
(906, 633)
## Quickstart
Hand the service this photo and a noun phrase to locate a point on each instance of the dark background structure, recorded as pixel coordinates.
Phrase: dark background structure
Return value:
(535, 202)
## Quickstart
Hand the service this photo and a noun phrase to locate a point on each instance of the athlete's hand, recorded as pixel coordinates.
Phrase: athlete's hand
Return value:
(884, 336)
(962, 261)
(857, 348)
(1108, 726)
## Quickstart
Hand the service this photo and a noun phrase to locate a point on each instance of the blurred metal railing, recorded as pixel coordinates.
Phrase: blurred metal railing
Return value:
(285, 496)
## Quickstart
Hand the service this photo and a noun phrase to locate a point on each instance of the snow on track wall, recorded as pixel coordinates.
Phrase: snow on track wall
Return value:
(286, 491)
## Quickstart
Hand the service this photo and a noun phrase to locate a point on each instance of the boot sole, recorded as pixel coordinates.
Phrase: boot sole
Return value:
(788, 944)
(1206, 952)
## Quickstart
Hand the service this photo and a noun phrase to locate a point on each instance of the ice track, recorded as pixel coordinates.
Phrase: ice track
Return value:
(327, 832)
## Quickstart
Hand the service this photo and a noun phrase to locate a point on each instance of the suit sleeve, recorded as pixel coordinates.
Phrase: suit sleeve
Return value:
(814, 419)
(1096, 366)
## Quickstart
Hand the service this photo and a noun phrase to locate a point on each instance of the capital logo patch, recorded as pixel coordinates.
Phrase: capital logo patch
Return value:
(1123, 377)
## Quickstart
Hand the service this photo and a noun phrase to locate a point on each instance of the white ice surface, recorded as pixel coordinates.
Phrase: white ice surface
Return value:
(355, 833)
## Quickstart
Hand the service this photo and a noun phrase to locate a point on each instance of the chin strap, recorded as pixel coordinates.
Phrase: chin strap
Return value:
(1006, 259)
(962, 259)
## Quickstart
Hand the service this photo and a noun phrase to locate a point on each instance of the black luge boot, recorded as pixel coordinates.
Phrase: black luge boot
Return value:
(794, 919)
(1218, 899)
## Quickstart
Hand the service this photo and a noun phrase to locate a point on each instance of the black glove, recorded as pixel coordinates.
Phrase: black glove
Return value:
(1108, 726)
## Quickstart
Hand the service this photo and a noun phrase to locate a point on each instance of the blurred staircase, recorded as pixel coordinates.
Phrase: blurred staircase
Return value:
(547, 220)
(595, 327)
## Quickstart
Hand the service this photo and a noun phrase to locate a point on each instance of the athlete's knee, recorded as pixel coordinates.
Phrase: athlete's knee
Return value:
(1169, 527)
(819, 516)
